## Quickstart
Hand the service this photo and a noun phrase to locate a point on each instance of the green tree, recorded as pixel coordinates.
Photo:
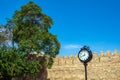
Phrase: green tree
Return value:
(30, 33)
(12, 64)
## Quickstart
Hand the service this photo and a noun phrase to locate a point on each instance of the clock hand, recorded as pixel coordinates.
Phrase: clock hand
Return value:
(84, 54)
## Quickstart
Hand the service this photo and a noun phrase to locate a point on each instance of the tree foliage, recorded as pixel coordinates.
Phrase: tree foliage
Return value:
(12, 64)
(30, 32)
(6, 33)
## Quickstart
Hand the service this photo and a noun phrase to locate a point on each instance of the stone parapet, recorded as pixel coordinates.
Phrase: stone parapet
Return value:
(103, 67)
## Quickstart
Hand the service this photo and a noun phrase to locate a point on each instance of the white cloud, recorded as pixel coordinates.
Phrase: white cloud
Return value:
(72, 46)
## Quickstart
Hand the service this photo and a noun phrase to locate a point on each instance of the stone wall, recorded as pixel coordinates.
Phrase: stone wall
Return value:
(103, 67)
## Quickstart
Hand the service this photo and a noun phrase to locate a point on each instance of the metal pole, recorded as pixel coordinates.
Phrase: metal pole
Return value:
(85, 65)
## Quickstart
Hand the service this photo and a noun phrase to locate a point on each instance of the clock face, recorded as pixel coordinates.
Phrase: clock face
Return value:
(83, 55)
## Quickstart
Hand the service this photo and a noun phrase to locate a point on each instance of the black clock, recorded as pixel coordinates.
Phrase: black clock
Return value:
(85, 54)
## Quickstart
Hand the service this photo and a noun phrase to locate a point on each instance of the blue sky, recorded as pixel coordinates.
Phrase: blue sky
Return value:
(95, 23)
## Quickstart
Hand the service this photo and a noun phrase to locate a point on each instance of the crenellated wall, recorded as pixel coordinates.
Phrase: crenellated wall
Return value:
(103, 67)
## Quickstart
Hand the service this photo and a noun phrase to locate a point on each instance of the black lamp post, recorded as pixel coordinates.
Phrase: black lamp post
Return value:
(85, 55)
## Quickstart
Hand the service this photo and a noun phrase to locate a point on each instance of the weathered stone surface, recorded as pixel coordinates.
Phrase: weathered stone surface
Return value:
(103, 67)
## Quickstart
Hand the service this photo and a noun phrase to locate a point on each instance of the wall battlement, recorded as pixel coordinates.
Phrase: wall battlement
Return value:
(104, 57)
(106, 66)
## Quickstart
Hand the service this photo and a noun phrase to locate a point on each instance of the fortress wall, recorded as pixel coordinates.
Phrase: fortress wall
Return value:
(103, 67)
